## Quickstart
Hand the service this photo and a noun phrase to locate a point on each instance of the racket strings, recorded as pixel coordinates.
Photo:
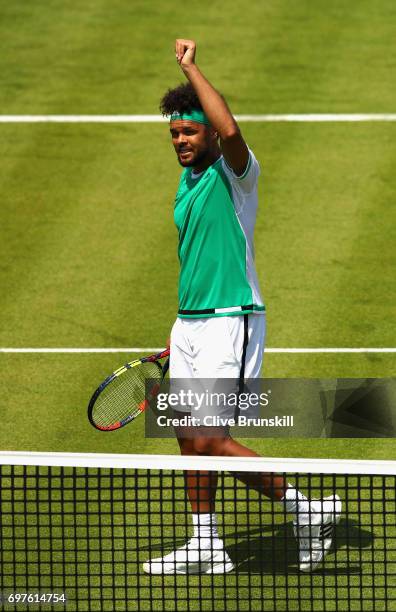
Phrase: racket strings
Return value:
(123, 396)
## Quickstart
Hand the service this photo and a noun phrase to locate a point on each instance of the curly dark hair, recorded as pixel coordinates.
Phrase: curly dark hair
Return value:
(182, 99)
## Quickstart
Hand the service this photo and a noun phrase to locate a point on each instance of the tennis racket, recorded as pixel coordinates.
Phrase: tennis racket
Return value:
(123, 395)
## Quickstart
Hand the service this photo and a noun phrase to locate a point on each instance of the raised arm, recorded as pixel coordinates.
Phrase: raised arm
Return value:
(232, 144)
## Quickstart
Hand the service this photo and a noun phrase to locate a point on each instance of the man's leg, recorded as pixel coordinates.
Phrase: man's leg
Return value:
(201, 485)
(202, 491)
(313, 521)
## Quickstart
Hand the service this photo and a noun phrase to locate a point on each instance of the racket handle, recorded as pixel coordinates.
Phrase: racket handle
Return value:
(158, 356)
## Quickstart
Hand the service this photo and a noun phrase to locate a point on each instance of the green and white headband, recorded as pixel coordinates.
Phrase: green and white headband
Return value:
(193, 115)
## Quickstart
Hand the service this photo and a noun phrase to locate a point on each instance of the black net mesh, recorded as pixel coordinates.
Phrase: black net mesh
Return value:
(86, 533)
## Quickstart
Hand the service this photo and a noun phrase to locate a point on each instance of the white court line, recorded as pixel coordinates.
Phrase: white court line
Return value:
(307, 118)
(81, 350)
(330, 350)
(157, 350)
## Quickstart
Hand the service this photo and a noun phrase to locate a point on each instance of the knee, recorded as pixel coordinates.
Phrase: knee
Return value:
(202, 446)
(208, 446)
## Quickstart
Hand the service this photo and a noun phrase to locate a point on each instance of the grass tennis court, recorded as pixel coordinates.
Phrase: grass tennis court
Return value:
(88, 250)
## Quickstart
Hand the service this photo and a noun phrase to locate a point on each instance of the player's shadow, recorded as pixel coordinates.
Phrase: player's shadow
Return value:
(256, 552)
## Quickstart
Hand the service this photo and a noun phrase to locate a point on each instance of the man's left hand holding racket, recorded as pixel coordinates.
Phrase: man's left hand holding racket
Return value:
(123, 395)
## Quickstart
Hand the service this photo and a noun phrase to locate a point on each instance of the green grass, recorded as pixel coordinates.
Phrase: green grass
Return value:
(266, 57)
(88, 251)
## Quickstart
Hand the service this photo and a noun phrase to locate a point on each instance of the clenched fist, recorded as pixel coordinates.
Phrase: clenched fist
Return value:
(185, 52)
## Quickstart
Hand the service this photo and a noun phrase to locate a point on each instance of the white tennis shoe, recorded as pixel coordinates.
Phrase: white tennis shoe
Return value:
(192, 559)
(315, 537)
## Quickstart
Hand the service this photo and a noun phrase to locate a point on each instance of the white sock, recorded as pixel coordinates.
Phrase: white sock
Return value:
(297, 504)
(205, 528)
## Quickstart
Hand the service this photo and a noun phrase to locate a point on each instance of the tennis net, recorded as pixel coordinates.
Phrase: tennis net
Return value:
(78, 532)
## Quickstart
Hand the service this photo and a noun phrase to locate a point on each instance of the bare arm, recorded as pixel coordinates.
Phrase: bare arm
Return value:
(232, 144)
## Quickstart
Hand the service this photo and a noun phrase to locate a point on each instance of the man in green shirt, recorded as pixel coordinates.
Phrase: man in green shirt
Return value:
(220, 329)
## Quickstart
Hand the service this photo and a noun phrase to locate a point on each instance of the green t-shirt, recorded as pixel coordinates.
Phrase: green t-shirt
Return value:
(215, 214)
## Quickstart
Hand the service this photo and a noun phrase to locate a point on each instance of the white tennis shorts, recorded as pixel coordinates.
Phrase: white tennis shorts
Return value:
(218, 347)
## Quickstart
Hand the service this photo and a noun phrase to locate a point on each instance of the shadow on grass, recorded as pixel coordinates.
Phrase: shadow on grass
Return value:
(277, 552)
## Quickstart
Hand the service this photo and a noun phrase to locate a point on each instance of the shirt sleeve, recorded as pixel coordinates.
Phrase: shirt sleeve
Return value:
(248, 180)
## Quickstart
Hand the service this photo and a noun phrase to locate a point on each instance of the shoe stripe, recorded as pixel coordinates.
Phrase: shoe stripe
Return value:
(326, 531)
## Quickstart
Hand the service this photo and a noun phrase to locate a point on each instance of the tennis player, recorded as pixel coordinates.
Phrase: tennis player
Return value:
(220, 328)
